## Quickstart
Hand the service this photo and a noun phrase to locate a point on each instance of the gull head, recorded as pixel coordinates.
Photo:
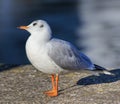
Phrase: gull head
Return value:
(37, 27)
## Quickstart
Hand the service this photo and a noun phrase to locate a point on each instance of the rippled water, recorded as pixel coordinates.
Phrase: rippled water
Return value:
(101, 31)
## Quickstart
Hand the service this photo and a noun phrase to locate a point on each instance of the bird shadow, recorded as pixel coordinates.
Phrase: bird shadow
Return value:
(93, 79)
(102, 78)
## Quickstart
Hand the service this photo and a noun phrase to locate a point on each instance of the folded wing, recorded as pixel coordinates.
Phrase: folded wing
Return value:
(65, 55)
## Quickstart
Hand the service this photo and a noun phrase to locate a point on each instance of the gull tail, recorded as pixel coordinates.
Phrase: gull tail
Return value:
(102, 70)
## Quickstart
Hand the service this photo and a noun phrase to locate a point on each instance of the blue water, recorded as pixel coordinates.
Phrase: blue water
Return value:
(62, 17)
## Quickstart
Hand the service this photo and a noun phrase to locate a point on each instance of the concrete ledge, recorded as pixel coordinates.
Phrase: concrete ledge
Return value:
(25, 85)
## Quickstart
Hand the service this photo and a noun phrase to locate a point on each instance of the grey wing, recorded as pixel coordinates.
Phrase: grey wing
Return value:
(67, 56)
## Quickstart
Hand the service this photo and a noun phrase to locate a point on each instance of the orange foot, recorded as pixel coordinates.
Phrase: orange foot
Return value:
(51, 93)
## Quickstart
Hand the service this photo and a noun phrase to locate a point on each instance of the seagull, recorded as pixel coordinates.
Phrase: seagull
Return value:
(52, 56)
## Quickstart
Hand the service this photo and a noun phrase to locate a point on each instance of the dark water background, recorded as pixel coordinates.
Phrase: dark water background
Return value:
(61, 15)
(91, 25)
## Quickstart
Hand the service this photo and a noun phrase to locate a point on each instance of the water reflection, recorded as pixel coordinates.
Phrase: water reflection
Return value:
(101, 31)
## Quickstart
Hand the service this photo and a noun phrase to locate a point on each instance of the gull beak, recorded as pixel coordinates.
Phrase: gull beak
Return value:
(23, 27)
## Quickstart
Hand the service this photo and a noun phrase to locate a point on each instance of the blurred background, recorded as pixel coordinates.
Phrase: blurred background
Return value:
(92, 25)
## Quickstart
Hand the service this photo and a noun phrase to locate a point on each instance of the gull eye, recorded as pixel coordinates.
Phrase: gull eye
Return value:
(41, 26)
(34, 24)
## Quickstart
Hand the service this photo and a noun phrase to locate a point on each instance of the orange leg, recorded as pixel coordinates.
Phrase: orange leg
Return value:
(54, 91)
(53, 84)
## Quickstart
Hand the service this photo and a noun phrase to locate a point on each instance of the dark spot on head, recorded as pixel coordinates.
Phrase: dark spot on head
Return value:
(34, 24)
(41, 26)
